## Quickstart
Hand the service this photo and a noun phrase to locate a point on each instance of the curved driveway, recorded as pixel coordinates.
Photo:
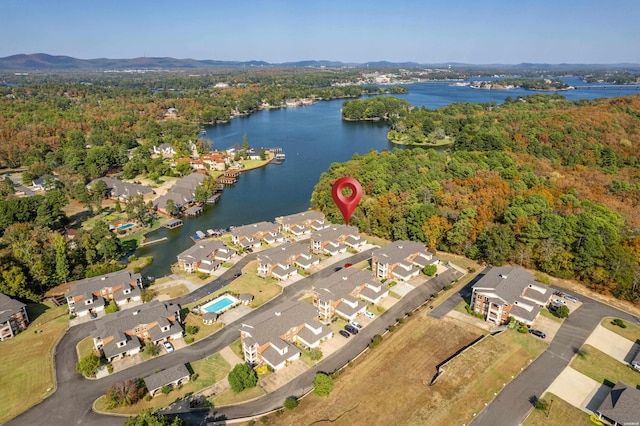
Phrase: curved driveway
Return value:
(71, 402)
(512, 405)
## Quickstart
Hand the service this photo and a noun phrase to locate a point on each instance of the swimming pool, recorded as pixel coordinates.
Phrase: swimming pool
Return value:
(125, 226)
(220, 304)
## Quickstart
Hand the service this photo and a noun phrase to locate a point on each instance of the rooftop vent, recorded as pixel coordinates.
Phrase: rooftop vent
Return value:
(503, 276)
(278, 313)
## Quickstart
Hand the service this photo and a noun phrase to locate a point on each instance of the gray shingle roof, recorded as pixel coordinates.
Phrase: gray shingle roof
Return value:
(96, 284)
(622, 404)
(282, 254)
(118, 188)
(335, 233)
(111, 349)
(254, 229)
(9, 307)
(511, 284)
(201, 250)
(167, 376)
(400, 251)
(301, 218)
(342, 283)
(274, 358)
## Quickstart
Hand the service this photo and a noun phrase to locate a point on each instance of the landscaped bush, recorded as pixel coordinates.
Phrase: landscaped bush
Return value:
(242, 377)
(447, 287)
(165, 389)
(125, 393)
(377, 339)
(111, 307)
(189, 340)
(391, 328)
(522, 328)
(391, 284)
(89, 364)
(315, 354)
(194, 377)
(202, 275)
(541, 404)
(291, 402)
(322, 384)
(263, 369)
(191, 329)
(150, 349)
(430, 270)
(619, 323)
(562, 312)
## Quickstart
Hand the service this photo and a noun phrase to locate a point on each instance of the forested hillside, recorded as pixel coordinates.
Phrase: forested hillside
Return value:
(540, 182)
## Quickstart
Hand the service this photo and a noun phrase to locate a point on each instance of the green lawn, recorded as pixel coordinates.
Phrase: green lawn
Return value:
(337, 325)
(26, 367)
(262, 289)
(210, 370)
(604, 369)
(204, 330)
(236, 347)
(461, 307)
(85, 347)
(173, 291)
(561, 413)
(631, 332)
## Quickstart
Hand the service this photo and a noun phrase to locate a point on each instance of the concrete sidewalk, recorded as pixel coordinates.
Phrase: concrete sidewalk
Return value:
(579, 390)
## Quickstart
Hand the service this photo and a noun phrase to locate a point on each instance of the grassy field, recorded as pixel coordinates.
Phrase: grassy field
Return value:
(26, 370)
(229, 397)
(173, 291)
(604, 369)
(236, 347)
(631, 332)
(210, 370)
(262, 289)
(402, 386)
(204, 330)
(561, 414)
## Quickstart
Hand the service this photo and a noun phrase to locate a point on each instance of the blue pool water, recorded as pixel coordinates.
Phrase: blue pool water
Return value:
(125, 226)
(218, 305)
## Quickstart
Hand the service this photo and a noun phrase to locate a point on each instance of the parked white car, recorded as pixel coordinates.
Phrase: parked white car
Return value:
(369, 314)
(559, 302)
(356, 325)
(168, 346)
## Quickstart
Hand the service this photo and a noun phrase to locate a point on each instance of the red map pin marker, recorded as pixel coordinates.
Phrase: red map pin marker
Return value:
(346, 204)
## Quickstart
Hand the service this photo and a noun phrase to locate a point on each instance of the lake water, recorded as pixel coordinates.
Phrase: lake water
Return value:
(312, 138)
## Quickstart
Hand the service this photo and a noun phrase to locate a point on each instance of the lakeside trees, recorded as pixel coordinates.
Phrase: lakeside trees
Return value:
(501, 203)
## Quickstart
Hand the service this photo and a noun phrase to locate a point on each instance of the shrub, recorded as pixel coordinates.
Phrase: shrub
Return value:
(165, 389)
(110, 368)
(435, 295)
(263, 369)
(380, 309)
(242, 377)
(192, 329)
(447, 287)
(400, 320)
(522, 328)
(202, 275)
(541, 404)
(137, 269)
(194, 377)
(322, 384)
(315, 354)
(133, 258)
(264, 419)
(189, 340)
(125, 393)
(291, 402)
(111, 307)
(391, 328)
(377, 339)
(150, 349)
(619, 323)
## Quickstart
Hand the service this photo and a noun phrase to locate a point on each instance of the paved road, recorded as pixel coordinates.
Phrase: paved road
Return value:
(512, 405)
(74, 396)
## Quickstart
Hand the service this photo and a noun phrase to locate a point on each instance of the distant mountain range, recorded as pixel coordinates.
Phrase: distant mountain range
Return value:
(45, 62)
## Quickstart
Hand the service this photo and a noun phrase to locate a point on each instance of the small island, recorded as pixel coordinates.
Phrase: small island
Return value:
(375, 109)
(521, 83)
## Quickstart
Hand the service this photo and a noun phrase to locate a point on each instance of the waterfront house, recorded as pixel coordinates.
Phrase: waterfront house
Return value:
(172, 376)
(270, 338)
(508, 291)
(301, 224)
(164, 149)
(13, 317)
(282, 262)
(119, 190)
(335, 239)
(401, 260)
(44, 183)
(251, 235)
(182, 193)
(346, 293)
(216, 160)
(88, 295)
(205, 256)
(122, 334)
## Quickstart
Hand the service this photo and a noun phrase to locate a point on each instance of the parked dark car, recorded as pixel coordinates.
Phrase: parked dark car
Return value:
(344, 333)
(237, 275)
(538, 333)
(351, 329)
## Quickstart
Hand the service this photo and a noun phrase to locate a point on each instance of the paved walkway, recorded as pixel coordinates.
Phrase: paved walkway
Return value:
(230, 356)
(402, 288)
(613, 344)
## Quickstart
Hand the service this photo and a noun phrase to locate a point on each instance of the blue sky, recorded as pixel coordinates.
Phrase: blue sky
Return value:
(424, 31)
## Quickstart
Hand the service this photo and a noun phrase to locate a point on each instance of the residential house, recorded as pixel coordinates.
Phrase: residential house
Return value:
(13, 317)
(282, 262)
(44, 183)
(401, 260)
(336, 239)
(88, 295)
(195, 163)
(123, 333)
(172, 376)
(216, 160)
(254, 154)
(346, 293)
(269, 338)
(621, 406)
(205, 256)
(301, 224)
(507, 291)
(250, 235)
(117, 189)
(182, 193)
(164, 149)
